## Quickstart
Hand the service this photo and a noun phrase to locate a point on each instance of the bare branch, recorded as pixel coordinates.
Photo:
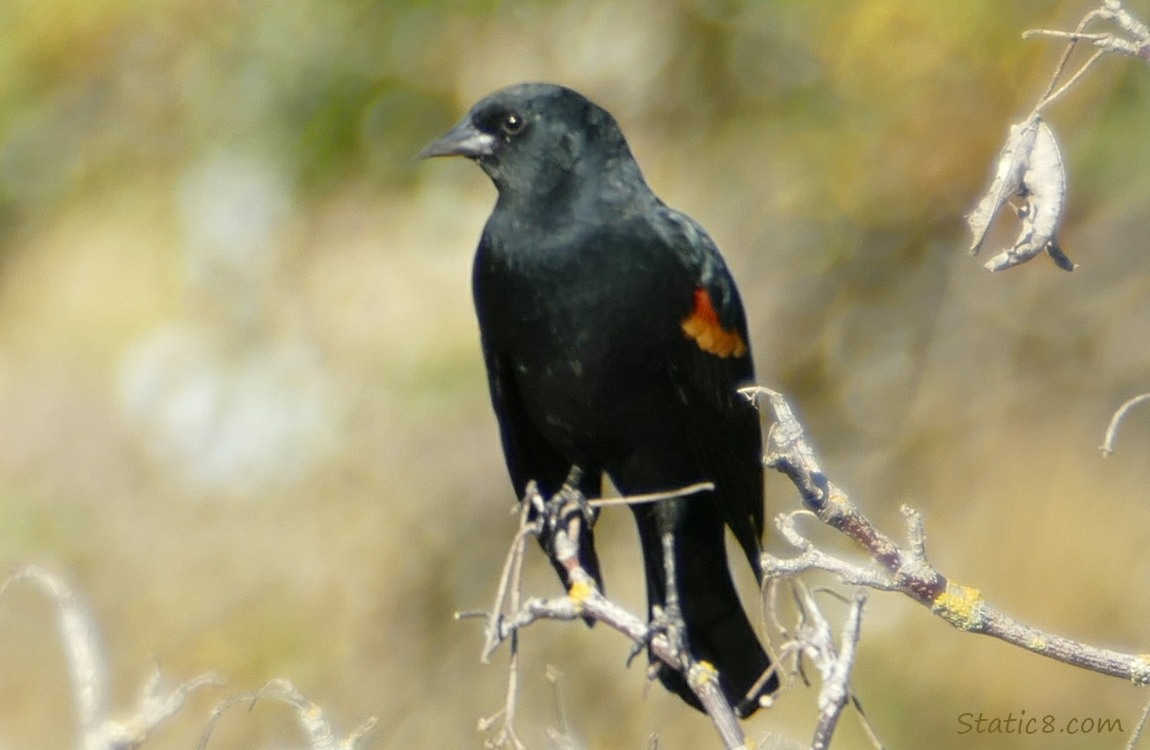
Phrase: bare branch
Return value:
(690, 489)
(505, 736)
(1137, 45)
(812, 638)
(1066, 53)
(584, 600)
(836, 678)
(507, 599)
(1073, 79)
(1139, 728)
(892, 566)
(311, 717)
(908, 571)
(559, 736)
(1107, 446)
(81, 643)
(155, 706)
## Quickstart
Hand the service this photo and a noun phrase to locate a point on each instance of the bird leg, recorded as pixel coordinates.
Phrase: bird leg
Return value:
(672, 614)
(667, 620)
(555, 513)
(559, 523)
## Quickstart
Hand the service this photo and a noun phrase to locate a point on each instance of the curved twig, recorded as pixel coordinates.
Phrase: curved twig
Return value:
(1107, 446)
(907, 570)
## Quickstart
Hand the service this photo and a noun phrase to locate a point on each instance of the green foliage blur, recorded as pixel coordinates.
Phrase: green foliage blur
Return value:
(242, 400)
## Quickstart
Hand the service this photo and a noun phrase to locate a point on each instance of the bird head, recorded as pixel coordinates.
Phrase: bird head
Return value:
(531, 137)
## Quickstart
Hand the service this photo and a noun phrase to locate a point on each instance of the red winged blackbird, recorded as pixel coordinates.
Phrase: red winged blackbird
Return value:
(615, 341)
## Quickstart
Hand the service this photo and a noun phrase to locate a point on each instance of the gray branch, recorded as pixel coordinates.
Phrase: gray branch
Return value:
(584, 601)
(837, 676)
(80, 639)
(311, 717)
(906, 569)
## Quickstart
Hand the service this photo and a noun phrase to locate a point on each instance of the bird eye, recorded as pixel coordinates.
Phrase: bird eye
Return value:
(512, 123)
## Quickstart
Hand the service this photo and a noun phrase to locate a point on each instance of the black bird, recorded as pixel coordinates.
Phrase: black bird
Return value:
(615, 341)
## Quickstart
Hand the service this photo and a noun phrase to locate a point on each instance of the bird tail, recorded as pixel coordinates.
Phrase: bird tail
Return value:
(717, 628)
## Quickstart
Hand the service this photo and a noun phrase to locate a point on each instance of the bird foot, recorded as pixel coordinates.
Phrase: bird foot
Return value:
(561, 512)
(666, 621)
(570, 500)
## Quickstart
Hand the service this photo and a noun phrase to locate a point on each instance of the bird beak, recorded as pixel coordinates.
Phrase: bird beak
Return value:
(463, 140)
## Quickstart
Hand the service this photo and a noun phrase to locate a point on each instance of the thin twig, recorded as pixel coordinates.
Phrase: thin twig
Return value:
(1072, 80)
(584, 600)
(651, 497)
(1107, 446)
(1137, 733)
(312, 719)
(1060, 67)
(1137, 46)
(868, 730)
(507, 599)
(81, 643)
(812, 640)
(836, 687)
(80, 640)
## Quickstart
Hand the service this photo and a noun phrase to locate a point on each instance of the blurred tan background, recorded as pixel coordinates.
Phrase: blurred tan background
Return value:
(243, 402)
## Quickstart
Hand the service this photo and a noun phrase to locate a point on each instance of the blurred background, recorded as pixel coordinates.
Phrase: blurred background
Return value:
(244, 408)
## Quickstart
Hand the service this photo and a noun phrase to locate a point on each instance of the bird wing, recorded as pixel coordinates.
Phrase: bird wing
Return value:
(527, 453)
(710, 362)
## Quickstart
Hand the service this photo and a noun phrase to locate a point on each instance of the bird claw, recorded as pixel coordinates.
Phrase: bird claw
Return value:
(666, 621)
(571, 501)
(570, 498)
(559, 511)
(654, 628)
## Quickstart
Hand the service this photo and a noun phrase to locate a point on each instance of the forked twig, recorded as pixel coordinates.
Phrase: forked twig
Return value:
(564, 521)
(836, 678)
(312, 719)
(906, 569)
(80, 640)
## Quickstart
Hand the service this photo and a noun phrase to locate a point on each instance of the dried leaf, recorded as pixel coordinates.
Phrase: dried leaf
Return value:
(1030, 167)
(1007, 181)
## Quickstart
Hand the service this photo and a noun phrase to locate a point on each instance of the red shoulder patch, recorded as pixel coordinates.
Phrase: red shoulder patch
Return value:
(704, 328)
